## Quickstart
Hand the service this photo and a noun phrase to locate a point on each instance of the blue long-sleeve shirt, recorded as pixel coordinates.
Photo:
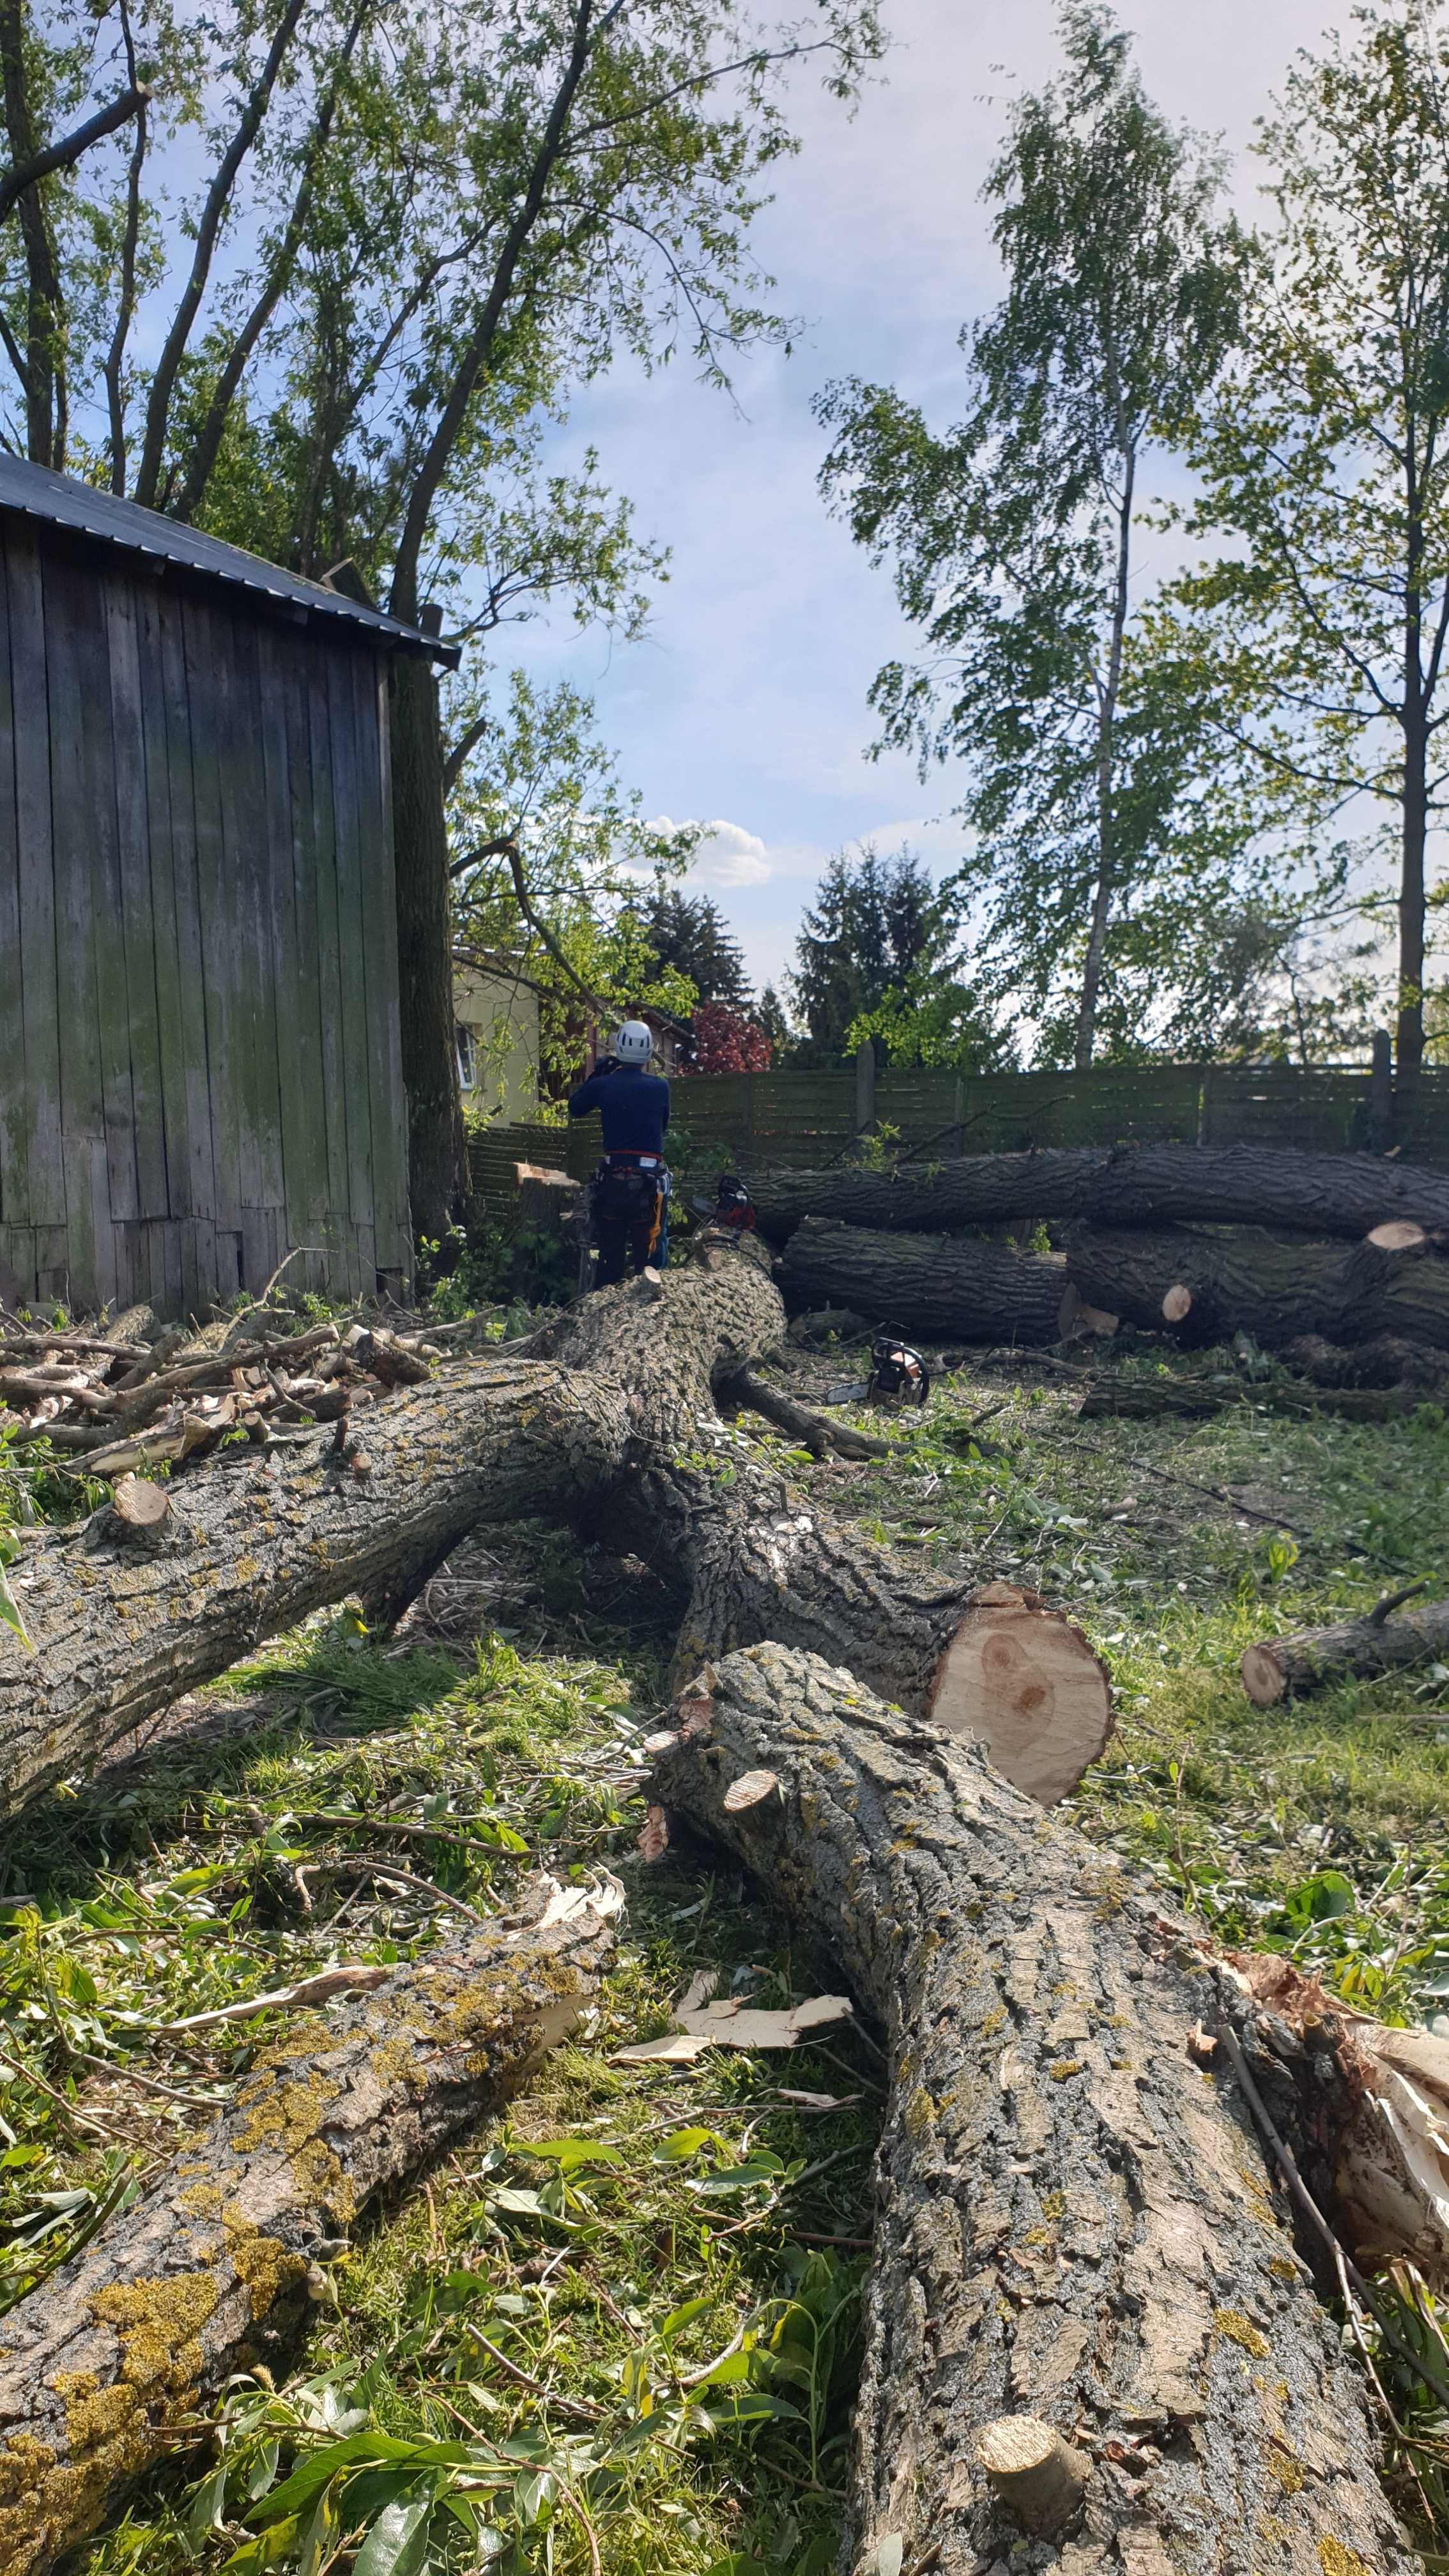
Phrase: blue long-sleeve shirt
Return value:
(633, 1108)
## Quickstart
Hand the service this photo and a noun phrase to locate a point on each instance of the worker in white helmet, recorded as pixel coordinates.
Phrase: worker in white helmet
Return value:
(630, 1195)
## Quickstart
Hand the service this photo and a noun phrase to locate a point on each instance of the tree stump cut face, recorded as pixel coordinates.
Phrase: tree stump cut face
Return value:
(1024, 1683)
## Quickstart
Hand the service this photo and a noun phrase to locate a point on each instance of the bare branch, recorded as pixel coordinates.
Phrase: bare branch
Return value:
(453, 762)
(218, 198)
(59, 156)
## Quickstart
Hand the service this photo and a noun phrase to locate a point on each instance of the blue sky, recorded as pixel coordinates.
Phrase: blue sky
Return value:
(745, 704)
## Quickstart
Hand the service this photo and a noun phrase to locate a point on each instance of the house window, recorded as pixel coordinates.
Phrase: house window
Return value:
(467, 1057)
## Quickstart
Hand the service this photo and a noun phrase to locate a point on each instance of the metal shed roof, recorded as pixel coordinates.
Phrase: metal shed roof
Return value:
(55, 498)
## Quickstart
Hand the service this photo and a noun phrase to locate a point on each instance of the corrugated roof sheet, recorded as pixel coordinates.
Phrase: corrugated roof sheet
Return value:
(40, 494)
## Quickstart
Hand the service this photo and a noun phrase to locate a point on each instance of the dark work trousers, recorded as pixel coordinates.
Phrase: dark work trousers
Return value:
(630, 1231)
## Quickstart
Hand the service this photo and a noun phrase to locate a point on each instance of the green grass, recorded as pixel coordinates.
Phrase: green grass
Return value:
(607, 2325)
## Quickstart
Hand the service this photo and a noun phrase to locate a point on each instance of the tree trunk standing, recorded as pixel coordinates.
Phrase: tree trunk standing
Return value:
(1414, 725)
(1106, 764)
(208, 2272)
(437, 1145)
(43, 377)
(908, 1283)
(1074, 2223)
(1345, 1194)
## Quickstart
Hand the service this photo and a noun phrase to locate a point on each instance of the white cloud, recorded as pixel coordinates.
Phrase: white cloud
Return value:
(725, 855)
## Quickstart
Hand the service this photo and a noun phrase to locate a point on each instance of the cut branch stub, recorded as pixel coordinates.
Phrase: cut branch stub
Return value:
(1024, 1683)
(750, 1790)
(1399, 1234)
(140, 1509)
(1177, 1303)
(1037, 2475)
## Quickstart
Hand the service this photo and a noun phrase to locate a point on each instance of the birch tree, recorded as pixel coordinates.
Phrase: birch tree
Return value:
(1014, 535)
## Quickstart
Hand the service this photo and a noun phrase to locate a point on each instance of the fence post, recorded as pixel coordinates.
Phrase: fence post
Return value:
(749, 1112)
(958, 1115)
(1381, 1094)
(865, 1086)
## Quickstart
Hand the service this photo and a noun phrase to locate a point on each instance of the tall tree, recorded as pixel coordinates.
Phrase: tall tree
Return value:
(689, 933)
(1013, 535)
(876, 928)
(410, 235)
(1325, 459)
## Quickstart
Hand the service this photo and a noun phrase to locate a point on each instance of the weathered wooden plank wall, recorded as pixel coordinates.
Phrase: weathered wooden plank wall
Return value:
(200, 1063)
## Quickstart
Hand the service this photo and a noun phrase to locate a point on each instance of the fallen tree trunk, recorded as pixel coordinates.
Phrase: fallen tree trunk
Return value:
(1206, 1284)
(1344, 1194)
(1074, 2224)
(209, 2271)
(606, 1420)
(1353, 1650)
(926, 1284)
(1188, 1399)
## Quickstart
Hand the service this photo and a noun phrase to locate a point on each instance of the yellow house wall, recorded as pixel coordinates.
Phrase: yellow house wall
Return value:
(503, 1017)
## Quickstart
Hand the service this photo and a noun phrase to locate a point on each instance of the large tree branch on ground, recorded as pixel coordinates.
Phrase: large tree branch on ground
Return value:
(926, 1284)
(607, 1421)
(1075, 2223)
(209, 2270)
(1133, 1185)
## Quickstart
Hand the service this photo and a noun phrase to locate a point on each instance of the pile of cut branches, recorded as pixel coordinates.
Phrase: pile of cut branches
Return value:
(122, 1402)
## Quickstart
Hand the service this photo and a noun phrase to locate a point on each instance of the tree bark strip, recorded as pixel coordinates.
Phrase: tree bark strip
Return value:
(1074, 2222)
(208, 2272)
(1134, 1185)
(919, 1284)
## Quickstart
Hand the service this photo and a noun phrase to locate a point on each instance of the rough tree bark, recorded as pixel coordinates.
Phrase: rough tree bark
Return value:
(1074, 2222)
(437, 1148)
(1136, 1185)
(915, 1283)
(209, 2270)
(612, 1426)
(1274, 1286)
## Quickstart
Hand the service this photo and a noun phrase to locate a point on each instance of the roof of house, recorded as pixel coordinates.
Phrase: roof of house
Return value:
(39, 494)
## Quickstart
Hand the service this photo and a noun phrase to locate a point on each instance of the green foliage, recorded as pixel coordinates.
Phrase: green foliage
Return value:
(1324, 465)
(875, 958)
(688, 933)
(1094, 864)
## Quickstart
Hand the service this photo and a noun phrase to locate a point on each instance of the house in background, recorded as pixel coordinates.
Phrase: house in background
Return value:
(497, 1024)
(200, 1064)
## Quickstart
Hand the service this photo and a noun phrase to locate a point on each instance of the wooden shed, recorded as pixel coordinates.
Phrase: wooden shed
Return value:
(199, 1046)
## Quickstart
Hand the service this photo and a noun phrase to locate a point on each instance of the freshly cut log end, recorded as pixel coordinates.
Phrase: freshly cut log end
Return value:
(1177, 1304)
(1263, 1676)
(1400, 1234)
(1355, 1650)
(1033, 2472)
(102, 2367)
(1022, 1682)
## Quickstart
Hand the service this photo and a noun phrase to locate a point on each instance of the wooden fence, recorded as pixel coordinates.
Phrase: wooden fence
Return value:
(745, 1120)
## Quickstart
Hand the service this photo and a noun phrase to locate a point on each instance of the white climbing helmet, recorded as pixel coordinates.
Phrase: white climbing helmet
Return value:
(634, 1044)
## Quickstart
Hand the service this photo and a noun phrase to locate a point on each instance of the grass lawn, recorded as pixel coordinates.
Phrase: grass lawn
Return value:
(619, 2328)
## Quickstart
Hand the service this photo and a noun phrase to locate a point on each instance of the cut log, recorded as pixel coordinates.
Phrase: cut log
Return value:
(1074, 2223)
(924, 1284)
(1247, 1279)
(1027, 1687)
(1354, 1650)
(210, 2270)
(1154, 1399)
(1326, 1194)
(600, 1425)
